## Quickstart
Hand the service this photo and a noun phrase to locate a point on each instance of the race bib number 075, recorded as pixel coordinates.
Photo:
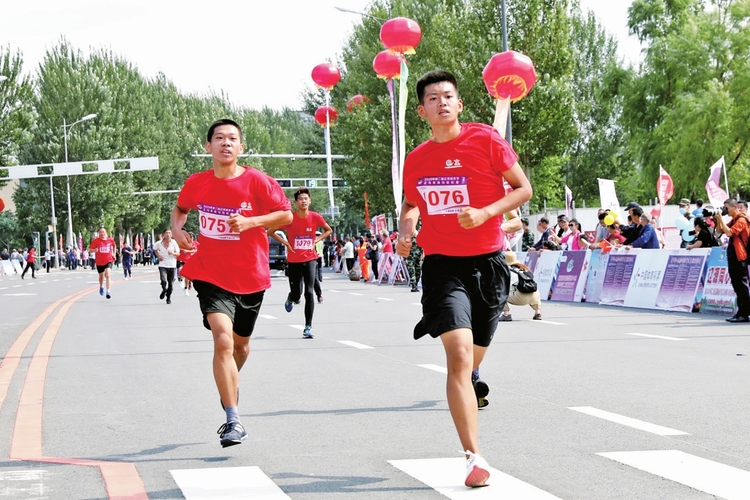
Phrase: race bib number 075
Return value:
(214, 222)
(444, 195)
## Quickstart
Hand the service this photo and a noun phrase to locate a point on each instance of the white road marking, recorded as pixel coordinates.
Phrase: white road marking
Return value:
(267, 316)
(227, 483)
(18, 294)
(435, 368)
(630, 422)
(546, 322)
(298, 327)
(446, 475)
(416, 303)
(383, 298)
(4, 288)
(697, 473)
(355, 293)
(58, 279)
(356, 345)
(335, 291)
(655, 336)
(16, 286)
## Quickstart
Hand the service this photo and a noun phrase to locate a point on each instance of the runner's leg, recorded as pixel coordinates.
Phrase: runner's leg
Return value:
(462, 401)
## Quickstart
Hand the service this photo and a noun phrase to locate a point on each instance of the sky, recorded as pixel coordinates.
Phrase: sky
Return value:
(259, 53)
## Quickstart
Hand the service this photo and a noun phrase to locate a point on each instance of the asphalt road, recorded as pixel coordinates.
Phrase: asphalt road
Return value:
(113, 398)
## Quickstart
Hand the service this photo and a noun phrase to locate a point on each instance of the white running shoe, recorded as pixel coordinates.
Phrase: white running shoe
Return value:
(477, 471)
(187, 293)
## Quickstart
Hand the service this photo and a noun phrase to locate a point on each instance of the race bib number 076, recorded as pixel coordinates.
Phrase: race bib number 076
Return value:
(444, 195)
(214, 222)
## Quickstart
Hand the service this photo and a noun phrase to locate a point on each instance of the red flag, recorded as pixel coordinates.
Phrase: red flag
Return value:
(664, 186)
(367, 213)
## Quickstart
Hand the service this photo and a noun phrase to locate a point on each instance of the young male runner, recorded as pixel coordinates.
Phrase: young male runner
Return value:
(105, 256)
(167, 251)
(301, 255)
(230, 270)
(454, 181)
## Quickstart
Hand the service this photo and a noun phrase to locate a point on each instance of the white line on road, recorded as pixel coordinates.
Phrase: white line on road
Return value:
(335, 291)
(383, 298)
(298, 327)
(227, 483)
(435, 368)
(446, 475)
(546, 322)
(355, 293)
(58, 280)
(697, 473)
(267, 316)
(655, 336)
(356, 345)
(630, 422)
(416, 303)
(16, 286)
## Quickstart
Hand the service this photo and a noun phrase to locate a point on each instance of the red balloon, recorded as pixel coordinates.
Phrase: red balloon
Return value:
(326, 75)
(2, 205)
(320, 115)
(356, 102)
(387, 65)
(400, 35)
(509, 75)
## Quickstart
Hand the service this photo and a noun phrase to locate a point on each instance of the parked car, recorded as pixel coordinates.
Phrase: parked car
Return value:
(276, 254)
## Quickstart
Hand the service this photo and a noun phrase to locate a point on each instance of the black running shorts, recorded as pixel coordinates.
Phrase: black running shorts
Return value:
(242, 309)
(463, 292)
(101, 269)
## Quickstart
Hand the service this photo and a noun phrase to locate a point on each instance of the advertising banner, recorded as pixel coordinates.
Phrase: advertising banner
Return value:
(645, 282)
(571, 276)
(545, 272)
(595, 278)
(718, 296)
(530, 261)
(617, 278)
(681, 279)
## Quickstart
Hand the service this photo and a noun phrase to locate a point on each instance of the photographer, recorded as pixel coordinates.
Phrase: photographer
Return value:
(738, 230)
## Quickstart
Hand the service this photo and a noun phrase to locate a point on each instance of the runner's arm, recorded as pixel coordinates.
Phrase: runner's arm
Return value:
(178, 220)
(239, 223)
(512, 223)
(327, 231)
(407, 224)
(470, 217)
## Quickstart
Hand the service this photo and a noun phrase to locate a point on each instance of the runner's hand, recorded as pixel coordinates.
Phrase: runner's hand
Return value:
(470, 217)
(403, 246)
(183, 239)
(239, 223)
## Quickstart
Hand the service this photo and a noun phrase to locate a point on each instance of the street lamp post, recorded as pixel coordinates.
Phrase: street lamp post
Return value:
(66, 130)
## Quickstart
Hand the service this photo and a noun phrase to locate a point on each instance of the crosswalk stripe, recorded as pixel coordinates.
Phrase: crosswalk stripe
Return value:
(227, 483)
(628, 421)
(383, 298)
(446, 475)
(648, 335)
(547, 322)
(697, 473)
(356, 345)
(435, 368)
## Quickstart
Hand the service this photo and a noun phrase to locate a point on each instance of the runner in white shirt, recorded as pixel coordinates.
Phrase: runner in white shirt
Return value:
(167, 251)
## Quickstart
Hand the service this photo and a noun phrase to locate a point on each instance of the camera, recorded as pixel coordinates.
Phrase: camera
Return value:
(710, 211)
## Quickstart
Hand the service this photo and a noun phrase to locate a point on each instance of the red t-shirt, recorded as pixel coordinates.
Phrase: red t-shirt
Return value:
(441, 178)
(301, 235)
(104, 249)
(235, 262)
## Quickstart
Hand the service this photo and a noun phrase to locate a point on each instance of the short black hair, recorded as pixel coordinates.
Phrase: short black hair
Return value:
(544, 219)
(300, 191)
(731, 202)
(701, 223)
(637, 211)
(699, 203)
(219, 123)
(434, 76)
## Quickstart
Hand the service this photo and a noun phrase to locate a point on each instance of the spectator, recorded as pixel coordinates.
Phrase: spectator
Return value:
(659, 233)
(387, 244)
(349, 254)
(738, 230)
(375, 250)
(563, 227)
(364, 263)
(647, 236)
(698, 212)
(742, 206)
(601, 229)
(518, 298)
(688, 236)
(615, 237)
(543, 227)
(527, 240)
(636, 230)
(4, 255)
(632, 226)
(705, 236)
(575, 239)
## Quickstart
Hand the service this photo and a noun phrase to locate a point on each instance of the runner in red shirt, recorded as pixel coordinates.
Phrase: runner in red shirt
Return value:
(105, 256)
(230, 271)
(455, 183)
(301, 255)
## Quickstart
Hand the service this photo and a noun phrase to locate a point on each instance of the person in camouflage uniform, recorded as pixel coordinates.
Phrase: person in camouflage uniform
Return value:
(414, 264)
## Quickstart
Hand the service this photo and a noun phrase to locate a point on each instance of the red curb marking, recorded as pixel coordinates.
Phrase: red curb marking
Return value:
(121, 479)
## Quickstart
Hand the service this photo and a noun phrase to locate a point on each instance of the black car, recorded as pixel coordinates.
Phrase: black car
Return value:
(276, 254)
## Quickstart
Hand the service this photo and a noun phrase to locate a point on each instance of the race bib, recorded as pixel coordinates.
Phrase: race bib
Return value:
(303, 242)
(444, 195)
(214, 222)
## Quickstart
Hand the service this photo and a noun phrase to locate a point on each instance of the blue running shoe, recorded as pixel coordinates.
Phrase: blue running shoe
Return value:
(231, 433)
(101, 290)
(288, 305)
(307, 332)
